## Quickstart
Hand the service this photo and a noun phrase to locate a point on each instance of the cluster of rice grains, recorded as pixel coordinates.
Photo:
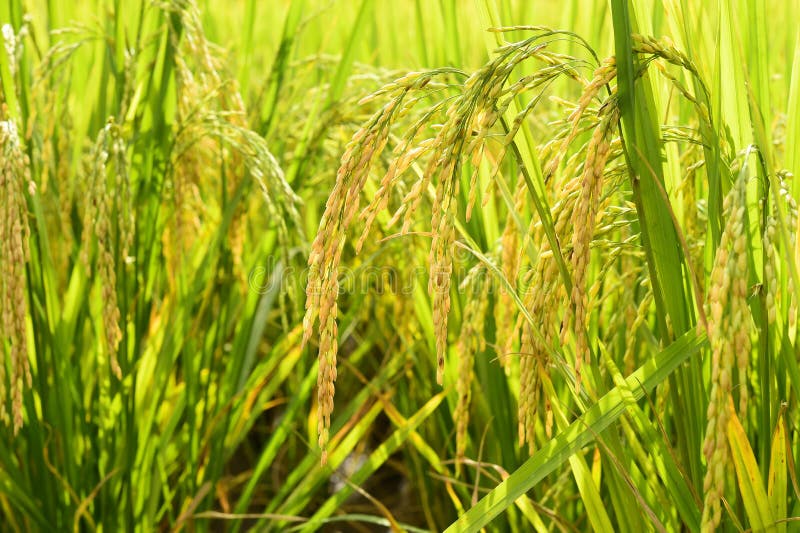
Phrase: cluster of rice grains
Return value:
(584, 213)
(15, 179)
(471, 113)
(212, 130)
(108, 214)
(471, 341)
(730, 326)
(730, 348)
(586, 208)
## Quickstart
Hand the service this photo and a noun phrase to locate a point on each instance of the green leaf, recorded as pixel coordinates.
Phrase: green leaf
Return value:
(581, 432)
(776, 484)
(665, 262)
(751, 486)
(348, 56)
(375, 460)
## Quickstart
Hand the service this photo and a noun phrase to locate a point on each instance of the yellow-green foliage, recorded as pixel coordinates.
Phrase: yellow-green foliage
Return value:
(423, 265)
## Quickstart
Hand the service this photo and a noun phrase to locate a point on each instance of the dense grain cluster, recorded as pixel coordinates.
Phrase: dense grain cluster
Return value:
(471, 341)
(534, 352)
(543, 292)
(107, 218)
(583, 221)
(15, 178)
(602, 77)
(729, 319)
(468, 120)
(504, 311)
(792, 221)
(326, 251)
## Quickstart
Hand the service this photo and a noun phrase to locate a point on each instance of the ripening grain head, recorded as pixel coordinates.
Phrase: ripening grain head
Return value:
(14, 254)
(106, 215)
(729, 320)
(471, 342)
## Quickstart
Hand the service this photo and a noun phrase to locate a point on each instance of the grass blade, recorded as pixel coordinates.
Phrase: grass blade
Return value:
(582, 431)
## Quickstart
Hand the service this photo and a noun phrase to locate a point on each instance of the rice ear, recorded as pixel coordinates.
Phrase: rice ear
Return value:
(15, 179)
(729, 320)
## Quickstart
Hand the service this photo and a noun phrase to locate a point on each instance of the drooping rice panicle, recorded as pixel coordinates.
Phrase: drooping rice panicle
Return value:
(471, 341)
(730, 348)
(541, 299)
(602, 76)
(583, 221)
(15, 179)
(326, 250)
(510, 263)
(108, 214)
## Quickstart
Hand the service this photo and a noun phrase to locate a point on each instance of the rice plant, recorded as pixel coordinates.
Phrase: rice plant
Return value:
(423, 266)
